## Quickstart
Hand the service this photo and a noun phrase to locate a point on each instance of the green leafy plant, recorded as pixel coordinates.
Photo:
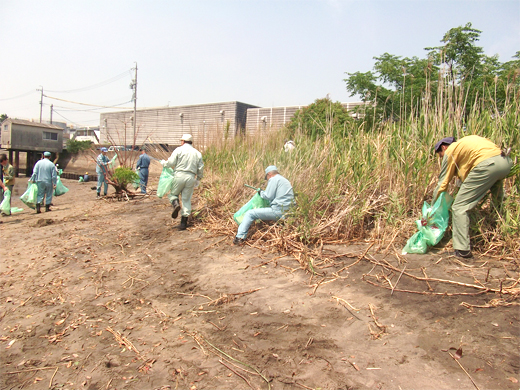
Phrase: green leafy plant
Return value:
(123, 176)
(321, 117)
(74, 147)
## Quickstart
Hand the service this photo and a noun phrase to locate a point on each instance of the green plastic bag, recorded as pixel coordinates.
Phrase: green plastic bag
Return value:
(136, 184)
(112, 161)
(30, 196)
(431, 226)
(256, 202)
(165, 182)
(60, 188)
(5, 206)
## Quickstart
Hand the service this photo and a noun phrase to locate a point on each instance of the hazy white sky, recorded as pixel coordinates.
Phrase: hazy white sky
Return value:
(262, 52)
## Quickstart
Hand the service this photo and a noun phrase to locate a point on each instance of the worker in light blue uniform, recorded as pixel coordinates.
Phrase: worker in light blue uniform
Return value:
(279, 193)
(188, 172)
(142, 168)
(101, 171)
(45, 177)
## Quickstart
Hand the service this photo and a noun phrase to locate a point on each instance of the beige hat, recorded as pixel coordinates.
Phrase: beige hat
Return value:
(187, 137)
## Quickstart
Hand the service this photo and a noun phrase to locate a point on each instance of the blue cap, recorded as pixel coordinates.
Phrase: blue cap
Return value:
(270, 168)
(47, 154)
(444, 141)
(104, 149)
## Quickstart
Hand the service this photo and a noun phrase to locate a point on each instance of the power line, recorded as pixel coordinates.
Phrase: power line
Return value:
(86, 104)
(17, 97)
(90, 109)
(68, 120)
(101, 84)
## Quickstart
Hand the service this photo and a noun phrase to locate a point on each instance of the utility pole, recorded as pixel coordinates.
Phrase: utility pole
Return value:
(41, 103)
(133, 86)
(52, 105)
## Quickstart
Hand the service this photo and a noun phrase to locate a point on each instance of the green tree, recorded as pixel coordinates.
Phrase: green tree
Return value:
(396, 84)
(322, 116)
(458, 69)
(74, 146)
(3, 117)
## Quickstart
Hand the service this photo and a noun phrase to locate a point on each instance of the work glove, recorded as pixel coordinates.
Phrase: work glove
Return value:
(197, 183)
(258, 190)
(164, 163)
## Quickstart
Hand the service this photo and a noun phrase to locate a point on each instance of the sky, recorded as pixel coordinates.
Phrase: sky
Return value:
(268, 53)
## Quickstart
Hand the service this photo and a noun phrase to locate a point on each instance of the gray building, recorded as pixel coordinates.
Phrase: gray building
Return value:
(165, 125)
(265, 119)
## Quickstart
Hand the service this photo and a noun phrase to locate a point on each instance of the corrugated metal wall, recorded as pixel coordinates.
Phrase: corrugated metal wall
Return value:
(206, 122)
(265, 119)
(165, 125)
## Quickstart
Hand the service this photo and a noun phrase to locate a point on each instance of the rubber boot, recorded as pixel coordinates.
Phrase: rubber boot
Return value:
(184, 223)
(176, 208)
(47, 207)
(38, 208)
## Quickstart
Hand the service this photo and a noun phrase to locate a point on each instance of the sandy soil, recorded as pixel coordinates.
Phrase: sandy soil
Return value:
(108, 295)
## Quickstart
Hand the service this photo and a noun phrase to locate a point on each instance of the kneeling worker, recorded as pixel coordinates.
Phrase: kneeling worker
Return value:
(188, 172)
(279, 193)
(481, 166)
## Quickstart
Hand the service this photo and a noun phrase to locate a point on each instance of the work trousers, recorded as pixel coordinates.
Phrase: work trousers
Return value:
(143, 179)
(44, 191)
(101, 181)
(488, 175)
(183, 184)
(264, 214)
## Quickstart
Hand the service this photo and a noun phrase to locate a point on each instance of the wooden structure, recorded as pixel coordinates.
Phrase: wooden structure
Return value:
(166, 125)
(19, 135)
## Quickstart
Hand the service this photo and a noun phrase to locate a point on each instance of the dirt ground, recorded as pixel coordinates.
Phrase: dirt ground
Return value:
(101, 294)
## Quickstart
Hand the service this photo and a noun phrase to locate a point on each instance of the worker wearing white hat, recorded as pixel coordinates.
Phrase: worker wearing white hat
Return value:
(188, 168)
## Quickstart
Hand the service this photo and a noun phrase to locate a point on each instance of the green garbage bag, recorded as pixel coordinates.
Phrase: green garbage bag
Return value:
(431, 226)
(112, 161)
(165, 182)
(5, 206)
(30, 196)
(135, 184)
(256, 202)
(60, 188)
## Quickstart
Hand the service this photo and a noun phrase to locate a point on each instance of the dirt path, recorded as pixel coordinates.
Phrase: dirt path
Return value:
(107, 295)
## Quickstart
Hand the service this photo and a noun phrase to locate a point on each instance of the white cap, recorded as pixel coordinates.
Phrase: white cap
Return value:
(187, 137)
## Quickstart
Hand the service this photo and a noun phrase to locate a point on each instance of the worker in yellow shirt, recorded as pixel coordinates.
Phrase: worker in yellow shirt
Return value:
(481, 166)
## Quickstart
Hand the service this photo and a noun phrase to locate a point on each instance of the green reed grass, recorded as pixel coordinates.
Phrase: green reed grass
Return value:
(363, 183)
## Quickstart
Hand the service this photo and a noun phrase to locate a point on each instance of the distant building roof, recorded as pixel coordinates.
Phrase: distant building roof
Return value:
(31, 123)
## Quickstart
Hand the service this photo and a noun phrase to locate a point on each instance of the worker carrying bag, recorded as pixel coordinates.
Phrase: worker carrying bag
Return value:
(30, 196)
(165, 182)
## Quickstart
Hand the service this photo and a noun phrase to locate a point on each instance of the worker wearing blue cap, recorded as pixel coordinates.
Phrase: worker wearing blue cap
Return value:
(45, 177)
(279, 193)
(481, 166)
(102, 171)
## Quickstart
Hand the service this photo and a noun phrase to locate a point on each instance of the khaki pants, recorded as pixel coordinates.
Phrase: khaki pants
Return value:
(183, 184)
(488, 175)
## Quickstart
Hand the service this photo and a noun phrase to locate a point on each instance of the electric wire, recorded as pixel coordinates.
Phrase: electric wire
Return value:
(86, 104)
(17, 97)
(87, 109)
(101, 84)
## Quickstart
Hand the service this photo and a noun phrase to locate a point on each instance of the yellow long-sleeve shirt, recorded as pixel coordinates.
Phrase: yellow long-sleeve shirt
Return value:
(462, 156)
